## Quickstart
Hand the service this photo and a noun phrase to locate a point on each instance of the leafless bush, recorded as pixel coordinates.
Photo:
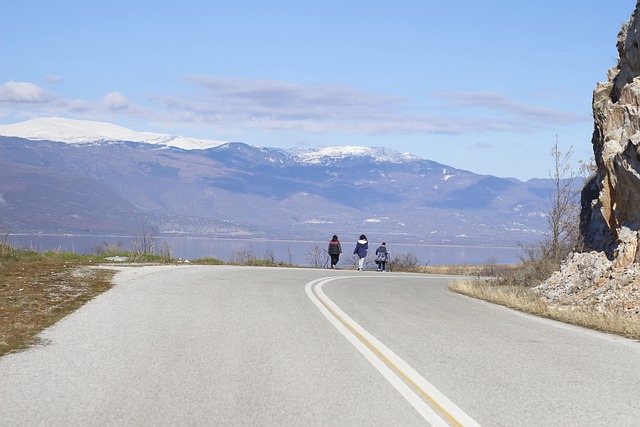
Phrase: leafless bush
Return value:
(540, 260)
(353, 260)
(562, 216)
(316, 256)
(244, 256)
(166, 252)
(537, 264)
(269, 256)
(491, 268)
(108, 249)
(406, 262)
(144, 242)
(457, 269)
(247, 256)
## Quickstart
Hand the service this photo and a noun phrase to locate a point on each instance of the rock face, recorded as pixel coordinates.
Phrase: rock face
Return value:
(608, 277)
(592, 280)
(610, 216)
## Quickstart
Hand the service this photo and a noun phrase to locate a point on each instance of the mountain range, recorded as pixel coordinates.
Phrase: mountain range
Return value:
(80, 177)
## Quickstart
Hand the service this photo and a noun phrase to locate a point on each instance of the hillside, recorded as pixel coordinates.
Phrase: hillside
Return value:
(96, 186)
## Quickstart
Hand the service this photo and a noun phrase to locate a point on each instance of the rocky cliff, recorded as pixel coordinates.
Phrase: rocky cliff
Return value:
(611, 200)
(608, 277)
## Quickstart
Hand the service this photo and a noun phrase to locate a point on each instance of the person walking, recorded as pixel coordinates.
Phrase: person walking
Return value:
(361, 250)
(335, 250)
(382, 256)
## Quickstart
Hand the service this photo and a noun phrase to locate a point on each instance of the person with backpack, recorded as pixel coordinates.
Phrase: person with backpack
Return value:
(361, 250)
(335, 250)
(382, 256)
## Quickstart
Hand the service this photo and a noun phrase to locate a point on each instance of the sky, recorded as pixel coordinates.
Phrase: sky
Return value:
(484, 86)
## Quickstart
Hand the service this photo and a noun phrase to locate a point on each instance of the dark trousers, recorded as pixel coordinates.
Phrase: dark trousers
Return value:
(334, 259)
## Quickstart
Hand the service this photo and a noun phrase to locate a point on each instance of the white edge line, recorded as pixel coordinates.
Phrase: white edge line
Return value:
(418, 379)
(416, 401)
(391, 376)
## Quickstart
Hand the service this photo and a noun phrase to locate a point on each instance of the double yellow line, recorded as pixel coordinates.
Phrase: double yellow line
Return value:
(436, 408)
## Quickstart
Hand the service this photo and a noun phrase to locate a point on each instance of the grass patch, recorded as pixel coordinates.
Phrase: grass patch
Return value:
(480, 270)
(207, 261)
(523, 299)
(38, 289)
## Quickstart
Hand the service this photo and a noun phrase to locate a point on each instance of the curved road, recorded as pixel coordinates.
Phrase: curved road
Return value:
(221, 345)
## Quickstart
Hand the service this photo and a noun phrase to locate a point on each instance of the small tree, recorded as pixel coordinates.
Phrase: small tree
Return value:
(539, 261)
(144, 241)
(562, 216)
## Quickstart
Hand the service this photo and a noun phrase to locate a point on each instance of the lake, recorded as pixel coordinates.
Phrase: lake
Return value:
(295, 252)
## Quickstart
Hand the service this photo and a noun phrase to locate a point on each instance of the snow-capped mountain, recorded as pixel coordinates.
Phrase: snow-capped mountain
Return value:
(73, 131)
(58, 175)
(328, 155)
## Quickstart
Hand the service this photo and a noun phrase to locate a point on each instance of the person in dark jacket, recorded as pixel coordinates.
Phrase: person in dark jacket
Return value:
(382, 256)
(335, 250)
(361, 250)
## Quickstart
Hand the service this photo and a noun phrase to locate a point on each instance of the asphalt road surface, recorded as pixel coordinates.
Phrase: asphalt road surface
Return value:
(240, 346)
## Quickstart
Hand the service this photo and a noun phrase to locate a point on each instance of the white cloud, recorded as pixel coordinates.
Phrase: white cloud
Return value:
(494, 101)
(228, 105)
(115, 101)
(24, 92)
(278, 105)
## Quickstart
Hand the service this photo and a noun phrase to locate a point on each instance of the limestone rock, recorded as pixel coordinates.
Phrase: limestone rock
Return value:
(609, 276)
(592, 280)
(610, 216)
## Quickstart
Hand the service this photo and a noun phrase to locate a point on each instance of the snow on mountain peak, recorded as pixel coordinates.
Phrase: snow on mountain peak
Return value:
(85, 131)
(322, 155)
(73, 131)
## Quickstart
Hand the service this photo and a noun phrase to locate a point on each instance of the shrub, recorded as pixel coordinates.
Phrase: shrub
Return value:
(538, 263)
(316, 256)
(107, 249)
(207, 261)
(247, 256)
(406, 262)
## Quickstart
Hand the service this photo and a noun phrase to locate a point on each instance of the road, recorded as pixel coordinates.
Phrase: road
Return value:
(238, 346)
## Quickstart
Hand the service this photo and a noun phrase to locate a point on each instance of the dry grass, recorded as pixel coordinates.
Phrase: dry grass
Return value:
(38, 290)
(469, 270)
(523, 299)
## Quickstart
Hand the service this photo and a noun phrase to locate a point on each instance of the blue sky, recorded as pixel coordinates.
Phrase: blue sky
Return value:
(483, 86)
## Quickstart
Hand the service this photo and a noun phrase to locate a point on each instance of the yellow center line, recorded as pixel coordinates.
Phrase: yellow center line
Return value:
(435, 405)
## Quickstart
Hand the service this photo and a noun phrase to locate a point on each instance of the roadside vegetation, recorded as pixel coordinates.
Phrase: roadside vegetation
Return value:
(513, 286)
(38, 289)
(521, 298)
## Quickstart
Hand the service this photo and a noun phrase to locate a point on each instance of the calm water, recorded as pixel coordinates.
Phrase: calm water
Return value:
(295, 252)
